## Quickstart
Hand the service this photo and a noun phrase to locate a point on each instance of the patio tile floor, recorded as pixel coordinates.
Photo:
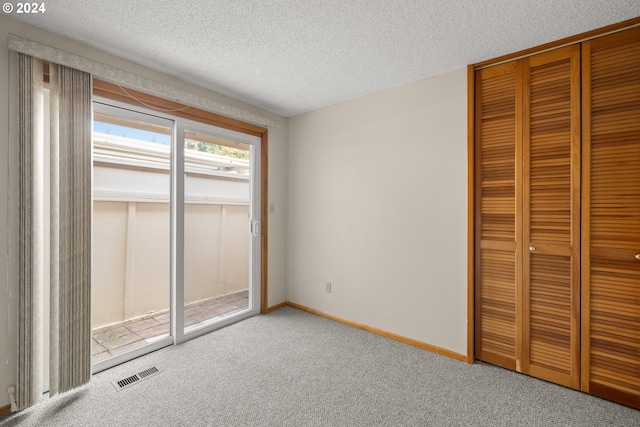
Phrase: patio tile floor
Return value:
(129, 335)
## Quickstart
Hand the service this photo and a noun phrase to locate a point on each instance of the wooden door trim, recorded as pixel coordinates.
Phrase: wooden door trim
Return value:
(471, 212)
(264, 219)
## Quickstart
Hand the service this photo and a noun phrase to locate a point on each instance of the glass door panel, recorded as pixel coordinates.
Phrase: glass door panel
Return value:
(176, 230)
(131, 234)
(217, 228)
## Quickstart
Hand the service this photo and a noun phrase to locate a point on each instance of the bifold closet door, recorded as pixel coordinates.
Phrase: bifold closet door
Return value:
(498, 214)
(551, 216)
(611, 217)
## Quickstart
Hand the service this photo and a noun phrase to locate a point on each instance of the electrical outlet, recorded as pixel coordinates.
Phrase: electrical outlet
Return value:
(327, 287)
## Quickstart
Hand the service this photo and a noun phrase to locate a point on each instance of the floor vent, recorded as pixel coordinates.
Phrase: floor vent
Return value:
(136, 378)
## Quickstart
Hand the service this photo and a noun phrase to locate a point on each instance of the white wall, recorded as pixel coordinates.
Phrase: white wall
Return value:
(277, 179)
(377, 205)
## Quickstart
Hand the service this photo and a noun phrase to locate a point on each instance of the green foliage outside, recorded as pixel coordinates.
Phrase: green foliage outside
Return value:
(220, 150)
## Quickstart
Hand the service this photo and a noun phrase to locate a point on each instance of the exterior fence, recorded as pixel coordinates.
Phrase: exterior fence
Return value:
(131, 234)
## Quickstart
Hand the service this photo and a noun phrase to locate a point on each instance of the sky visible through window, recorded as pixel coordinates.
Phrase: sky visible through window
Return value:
(164, 139)
(129, 132)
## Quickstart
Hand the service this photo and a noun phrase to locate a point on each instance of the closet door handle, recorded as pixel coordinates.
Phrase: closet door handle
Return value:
(533, 248)
(637, 256)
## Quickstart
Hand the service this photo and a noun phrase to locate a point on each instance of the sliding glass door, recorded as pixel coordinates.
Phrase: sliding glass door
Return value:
(217, 212)
(176, 230)
(131, 234)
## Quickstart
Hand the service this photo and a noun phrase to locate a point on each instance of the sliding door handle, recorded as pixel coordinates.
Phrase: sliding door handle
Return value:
(255, 228)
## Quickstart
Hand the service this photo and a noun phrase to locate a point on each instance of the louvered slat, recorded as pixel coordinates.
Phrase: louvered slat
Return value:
(611, 211)
(550, 313)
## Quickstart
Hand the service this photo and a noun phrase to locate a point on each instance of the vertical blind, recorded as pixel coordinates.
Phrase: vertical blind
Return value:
(30, 231)
(68, 221)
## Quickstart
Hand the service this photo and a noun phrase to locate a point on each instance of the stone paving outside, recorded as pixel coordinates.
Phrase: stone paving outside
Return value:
(125, 336)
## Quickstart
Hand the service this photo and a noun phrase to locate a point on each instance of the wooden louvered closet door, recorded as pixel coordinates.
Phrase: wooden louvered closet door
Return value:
(498, 214)
(551, 216)
(611, 217)
(557, 220)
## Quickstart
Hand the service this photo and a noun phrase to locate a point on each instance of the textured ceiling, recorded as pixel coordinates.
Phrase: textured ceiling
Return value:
(293, 56)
